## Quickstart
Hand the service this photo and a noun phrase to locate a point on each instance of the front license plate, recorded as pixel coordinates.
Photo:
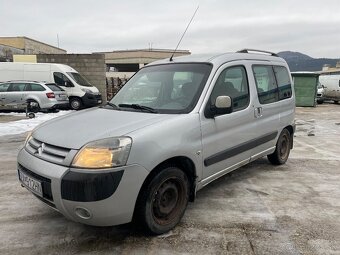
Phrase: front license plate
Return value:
(30, 183)
(99, 101)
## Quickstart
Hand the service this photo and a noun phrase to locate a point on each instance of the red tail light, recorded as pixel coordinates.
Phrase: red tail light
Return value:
(50, 95)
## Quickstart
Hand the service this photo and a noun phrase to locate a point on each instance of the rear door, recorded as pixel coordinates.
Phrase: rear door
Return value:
(274, 105)
(226, 138)
(3, 94)
(14, 95)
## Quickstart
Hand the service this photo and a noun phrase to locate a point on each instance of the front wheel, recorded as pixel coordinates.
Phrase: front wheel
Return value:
(282, 150)
(75, 103)
(163, 201)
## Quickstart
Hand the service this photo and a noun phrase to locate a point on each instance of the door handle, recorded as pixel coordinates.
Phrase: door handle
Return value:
(258, 112)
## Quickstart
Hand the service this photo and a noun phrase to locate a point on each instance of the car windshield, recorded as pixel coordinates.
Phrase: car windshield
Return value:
(80, 79)
(171, 88)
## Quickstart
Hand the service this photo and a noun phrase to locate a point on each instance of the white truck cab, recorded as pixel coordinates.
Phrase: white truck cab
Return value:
(80, 92)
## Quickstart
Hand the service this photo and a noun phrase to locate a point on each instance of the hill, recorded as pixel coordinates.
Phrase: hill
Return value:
(301, 62)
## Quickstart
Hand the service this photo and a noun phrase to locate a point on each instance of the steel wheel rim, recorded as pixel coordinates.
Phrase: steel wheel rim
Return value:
(168, 201)
(284, 147)
(75, 104)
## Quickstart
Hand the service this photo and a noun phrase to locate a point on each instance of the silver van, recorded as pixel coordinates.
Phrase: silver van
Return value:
(176, 125)
(46, 96)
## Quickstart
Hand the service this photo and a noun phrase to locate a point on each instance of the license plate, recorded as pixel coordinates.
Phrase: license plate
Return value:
(62, 96)
(30, 183)
(99, 101)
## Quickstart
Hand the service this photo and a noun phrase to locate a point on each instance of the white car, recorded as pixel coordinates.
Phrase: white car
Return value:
(45, 96)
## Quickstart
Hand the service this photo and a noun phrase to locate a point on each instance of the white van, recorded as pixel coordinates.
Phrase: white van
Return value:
(330, 83)
(80, 92)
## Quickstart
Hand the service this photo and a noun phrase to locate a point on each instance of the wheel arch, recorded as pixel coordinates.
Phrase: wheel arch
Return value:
(291, 130)
(182, 162)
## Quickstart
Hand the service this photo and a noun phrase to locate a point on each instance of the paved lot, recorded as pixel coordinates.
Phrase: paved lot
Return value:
(258, 209)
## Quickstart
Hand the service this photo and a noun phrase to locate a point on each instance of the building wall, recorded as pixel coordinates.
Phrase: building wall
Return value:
(91, 66)
(30, 46)
(36, 47)
(7, 52)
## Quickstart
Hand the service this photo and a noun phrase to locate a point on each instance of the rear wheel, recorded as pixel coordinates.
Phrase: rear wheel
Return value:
(319, 101)
(33, 106)
(163, 201)
(76, 103)
(282, 150)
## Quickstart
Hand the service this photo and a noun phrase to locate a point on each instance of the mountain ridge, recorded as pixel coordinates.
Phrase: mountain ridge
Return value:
(298, 61)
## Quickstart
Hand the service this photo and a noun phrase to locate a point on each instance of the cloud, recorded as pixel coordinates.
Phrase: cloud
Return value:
(90, 26)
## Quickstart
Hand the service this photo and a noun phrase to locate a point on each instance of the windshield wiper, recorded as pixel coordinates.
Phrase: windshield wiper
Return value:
(112, 105)
(139, 107)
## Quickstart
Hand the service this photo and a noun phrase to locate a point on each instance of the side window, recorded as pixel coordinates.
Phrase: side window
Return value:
(15, 87)
(266, 84)
(283, 82)
(4, 87)
(60, 79)
(37, 87)
(232, 82)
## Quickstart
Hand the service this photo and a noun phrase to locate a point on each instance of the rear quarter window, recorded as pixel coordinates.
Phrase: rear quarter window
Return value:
(54, 87)
(283, 82)
(34, 87)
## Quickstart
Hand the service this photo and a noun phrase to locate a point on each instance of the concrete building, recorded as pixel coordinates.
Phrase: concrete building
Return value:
(329, 69)
(7, 52)
(30, 46)
(122, 64)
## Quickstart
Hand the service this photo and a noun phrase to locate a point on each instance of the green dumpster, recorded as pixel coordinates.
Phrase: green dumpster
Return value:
(305, 87)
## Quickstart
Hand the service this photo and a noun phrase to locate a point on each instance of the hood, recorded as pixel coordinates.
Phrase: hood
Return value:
(75, 130)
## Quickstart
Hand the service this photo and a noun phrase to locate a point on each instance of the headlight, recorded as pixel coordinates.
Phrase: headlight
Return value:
(28, 137)
(105, 153)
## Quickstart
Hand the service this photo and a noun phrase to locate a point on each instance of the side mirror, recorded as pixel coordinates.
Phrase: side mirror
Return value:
(223, 105)
(223, 102)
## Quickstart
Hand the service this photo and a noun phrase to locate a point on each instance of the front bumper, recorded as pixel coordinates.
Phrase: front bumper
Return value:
(91, 99)
(108, 195)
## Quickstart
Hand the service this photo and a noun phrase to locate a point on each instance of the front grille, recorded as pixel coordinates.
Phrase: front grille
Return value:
(46, 151)
(45, 183)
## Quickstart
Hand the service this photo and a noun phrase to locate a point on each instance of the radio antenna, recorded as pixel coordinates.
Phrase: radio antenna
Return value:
(184, 33)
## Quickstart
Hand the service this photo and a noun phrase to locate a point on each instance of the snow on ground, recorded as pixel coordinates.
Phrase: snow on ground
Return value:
(22, 126)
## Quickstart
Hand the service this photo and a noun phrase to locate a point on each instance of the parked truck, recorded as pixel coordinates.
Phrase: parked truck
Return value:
(80, 92)
(330, 83)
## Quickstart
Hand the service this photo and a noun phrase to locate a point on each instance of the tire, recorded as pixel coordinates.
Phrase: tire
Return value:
(282, 150)
(319, 101)
(162, 201)
(336, 102)
(34, 106)
(76, 103)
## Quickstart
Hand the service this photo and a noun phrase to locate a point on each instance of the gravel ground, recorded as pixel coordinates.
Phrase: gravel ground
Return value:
(257, 209)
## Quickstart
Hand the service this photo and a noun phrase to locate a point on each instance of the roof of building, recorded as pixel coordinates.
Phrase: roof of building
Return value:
(27, 38)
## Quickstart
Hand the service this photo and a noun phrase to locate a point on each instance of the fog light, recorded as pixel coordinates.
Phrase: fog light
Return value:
(83, 213)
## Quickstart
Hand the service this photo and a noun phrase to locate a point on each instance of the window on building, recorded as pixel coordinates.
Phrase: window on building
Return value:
(123, 67)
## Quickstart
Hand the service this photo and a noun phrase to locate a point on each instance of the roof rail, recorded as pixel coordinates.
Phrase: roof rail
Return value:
(262, 51)
(23, 81)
